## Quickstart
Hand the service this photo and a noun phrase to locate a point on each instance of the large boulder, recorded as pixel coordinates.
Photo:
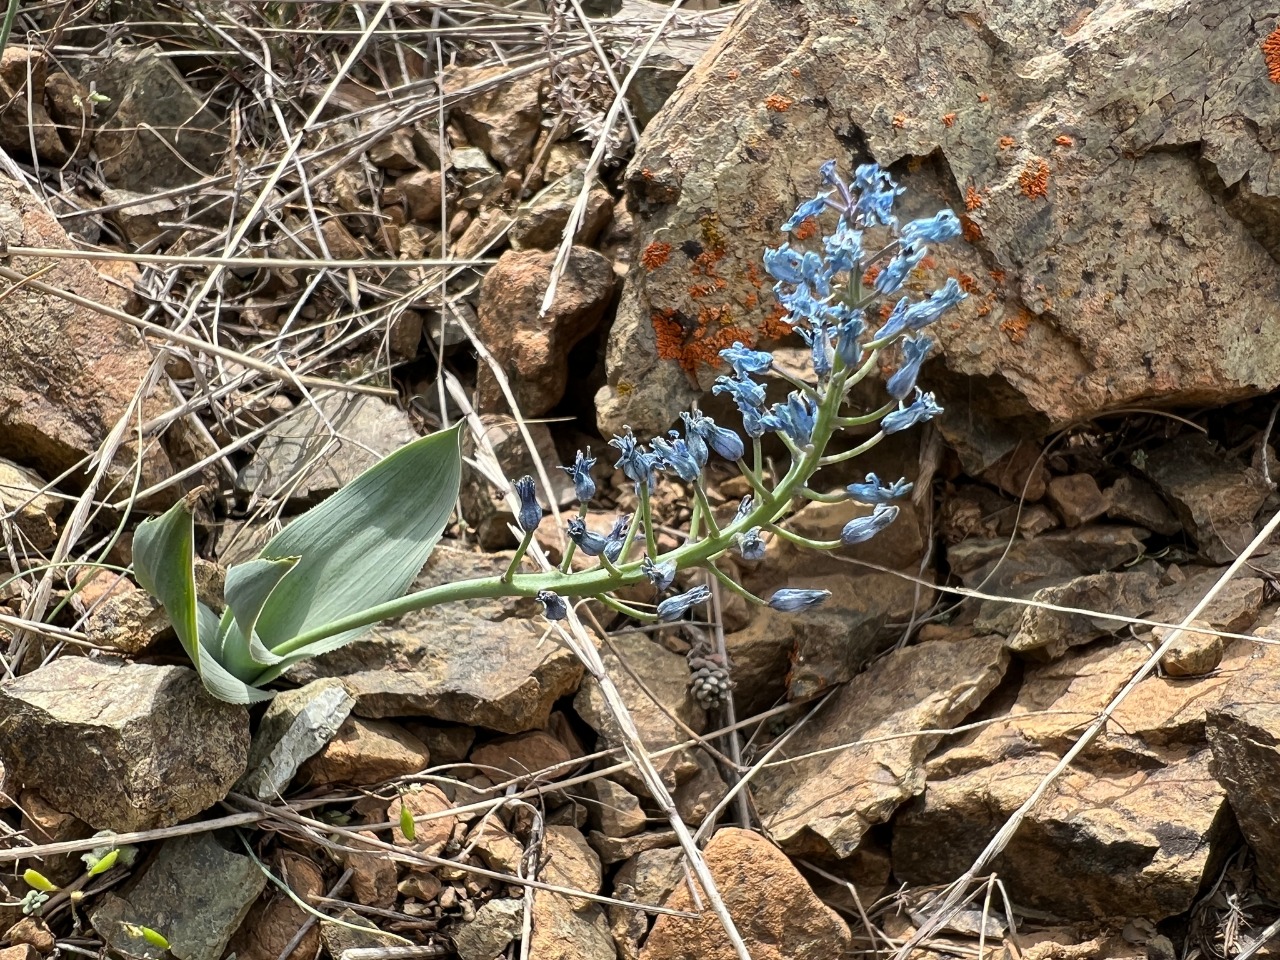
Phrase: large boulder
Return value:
(1114, 171)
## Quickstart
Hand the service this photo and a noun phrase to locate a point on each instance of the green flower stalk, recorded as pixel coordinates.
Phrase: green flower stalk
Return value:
(345, 564)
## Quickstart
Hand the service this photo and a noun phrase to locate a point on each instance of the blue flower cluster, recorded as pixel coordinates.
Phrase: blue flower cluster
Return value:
(859, 271)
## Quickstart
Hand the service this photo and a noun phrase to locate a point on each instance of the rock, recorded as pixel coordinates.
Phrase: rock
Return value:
(647, 878)
(1195, 652)
(1003, 567)
(1215, 498)
(1134, 500)
(301, 458)
(823, 805)
(772, 905)
(540, 222)
(665, 676)
(158, 131)
(373, 874)
(447, 744)
(1235, 609)
(1107, 842)
(272, 922)
(67, 373)
(503, 116)
(194, 893)
(24, 120)
(1244, 735)
(487, 935)
(614, 810)
(534, 350)
(393, 151)
(41, 824)
(571, 863)
(21, 951)
(508, 680)
(365, 752)
(1050, 632)
(1064, 330)
(433, 823)
(34, 932)
(523, 756)
(422, 190)
(1077, 499)
(483, 232)
(1020, 473)
(33, 513)
(297, 725)
(366, 936)
(122, 746)
(131, 622)
(562, 933)
(616, 849)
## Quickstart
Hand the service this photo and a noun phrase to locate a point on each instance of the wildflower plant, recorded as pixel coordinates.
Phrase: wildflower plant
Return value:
(345, 564)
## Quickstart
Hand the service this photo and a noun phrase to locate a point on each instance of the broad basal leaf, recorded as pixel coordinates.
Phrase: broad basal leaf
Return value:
(163, 562)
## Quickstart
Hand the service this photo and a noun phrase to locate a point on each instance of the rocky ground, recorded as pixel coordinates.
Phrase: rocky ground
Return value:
(255, 246)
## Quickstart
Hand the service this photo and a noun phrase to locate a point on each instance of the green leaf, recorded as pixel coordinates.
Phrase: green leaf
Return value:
(104, 863)
(38, 881)
(407, 826)
(362, 546)
(247, 589)
(163, 562)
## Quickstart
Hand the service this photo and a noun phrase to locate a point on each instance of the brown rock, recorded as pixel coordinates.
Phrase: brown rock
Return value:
(33, 512)
(366, 751)
(1134, 500)
(824, 804)
(571, 862)
(613, 809)
(1077, 499)
(772, 905)
(433, 824)
(534, 350)
(22, 951)
(497, 847)
(648, 878)
(1196, 652)
(41, 824)
(274, 920)
(373, 875)
(1050, 632)
(616, 849)
(24, 119)
(131, 622)
(502, 116)
(541, 221)
(446, 743)
(522, 756)
(422, 190)
(1020, 473)
(1235, 609)
(34, 932)
(121, 746)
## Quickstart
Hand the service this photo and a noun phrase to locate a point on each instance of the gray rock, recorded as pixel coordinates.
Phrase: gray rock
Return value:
(646, 878)
(617, 849)
(296, 726)
(541, 220)
(122, 746)
(301, 458)
(129, 622)
(1215, 498)
(1235, 609)
(495, 925)
(1134, 500)
(1048, 633)
(194, 894)
(823, 805)
(479, 663)
(33, 513)
(613, 809)
(1100, 166)
(339, 938)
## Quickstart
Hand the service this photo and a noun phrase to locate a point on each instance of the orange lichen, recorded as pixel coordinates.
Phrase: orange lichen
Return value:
(777, 102)
(751, 300)
(983, 98)
(808, 228)
(948, 119)
(1271, 54)
(655, 255)
(1004, 143)
(773, 327)
(967, 283)
(647, 173)
(1015, 327)
(869, 277)
(886, 308)
(970, 230)
(1063, 140)
(1034, 178)
(733, 74)
(795, 72)
(927, 262)
(972, 199)
(700, 290)
(899, 120)
(997, 276)
(753, 275)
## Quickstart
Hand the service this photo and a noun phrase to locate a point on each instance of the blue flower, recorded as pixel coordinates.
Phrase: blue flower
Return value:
(844, 248)
(818, 337)
(873, 491)
(877, 192)
(617, 537)
(530, 513)
(914, 350)
(694, 439)
(749, 396)
(640, 466)
(783, 263)
(920, 315)
(592, 544)
(660, 575)
(745, 507)
(800, 303)
(809, 208)
(677, 457)
(923, 408)
(673, 608)
(789, 600)
(553, 605)
(723, 441)
(584, 487)
(749, 544)
(745, 361)
(795, 418)
(848, 334)
(828, 171)
(895, 273)
(897, 321)
(861, 529)
(817, 273)
(942, 226)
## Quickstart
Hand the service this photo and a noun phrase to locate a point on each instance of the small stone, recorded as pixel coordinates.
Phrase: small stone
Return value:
(1195, 653)
(373, 874)
(571, 862)
(22, 951)
(274, 919)
(1076, 498)
(1020, 473)
(522, 756)
(502, 117)
(338, 939)
(497, 847)
(366, 752)
(34, 932)
(648, 878)
(194, 893)
(772, 905)
(1134, 500)
(41, 824)
(422, 192)
(131, 622)
(430, 834)
(447, 743)
(394, 152)
(297, 724)
(613, 809)
(540, 222)
(420, 886)
(32, 512)
(495, 925)
(616, 849)
(97, 739)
